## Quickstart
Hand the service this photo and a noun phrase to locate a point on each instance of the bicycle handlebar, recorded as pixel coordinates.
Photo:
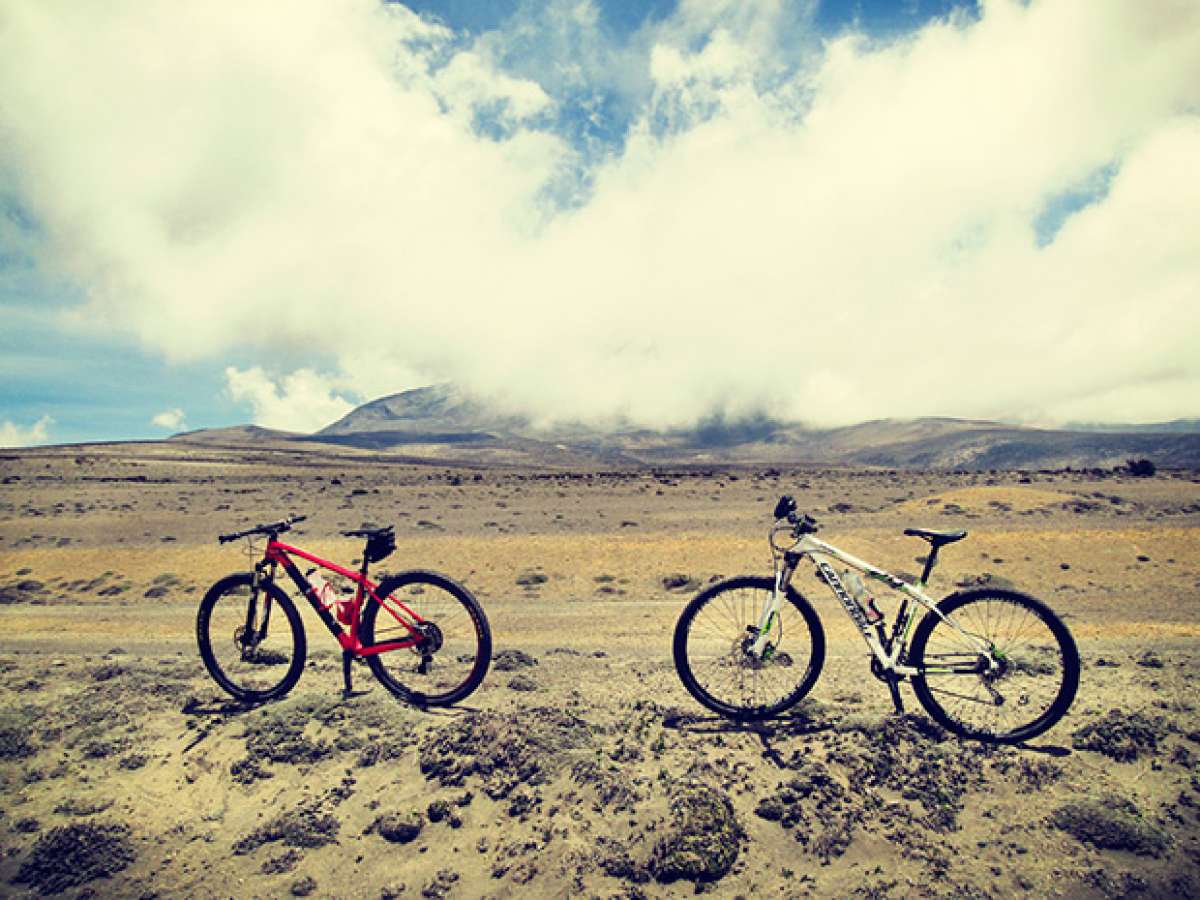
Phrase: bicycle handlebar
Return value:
(803, 523)
(272, 529)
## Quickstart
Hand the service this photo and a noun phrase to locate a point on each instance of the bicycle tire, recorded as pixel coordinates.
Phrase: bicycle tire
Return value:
(710, 636)
(1036, 647)
(457, 666)
(220, 622)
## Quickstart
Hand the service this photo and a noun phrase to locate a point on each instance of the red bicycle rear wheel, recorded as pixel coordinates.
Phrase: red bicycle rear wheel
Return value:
(450, 660)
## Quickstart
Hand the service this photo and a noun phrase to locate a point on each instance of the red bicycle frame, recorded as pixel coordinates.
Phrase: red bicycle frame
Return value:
(279, 553)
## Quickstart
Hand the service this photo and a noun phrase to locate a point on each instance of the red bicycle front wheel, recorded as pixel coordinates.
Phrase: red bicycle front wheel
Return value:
(251, 641)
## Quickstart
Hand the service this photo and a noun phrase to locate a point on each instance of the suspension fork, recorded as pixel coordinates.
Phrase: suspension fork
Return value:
(770, 611)
(256, 637)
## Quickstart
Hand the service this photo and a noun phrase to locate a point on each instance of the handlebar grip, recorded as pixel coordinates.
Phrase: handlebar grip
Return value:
(785, 508)
(274, 527)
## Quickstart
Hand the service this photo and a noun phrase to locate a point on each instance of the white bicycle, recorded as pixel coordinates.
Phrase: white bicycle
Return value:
(986, 663)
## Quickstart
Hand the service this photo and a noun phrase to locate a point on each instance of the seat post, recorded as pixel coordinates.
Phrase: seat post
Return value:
(930, 562)
(935, 539)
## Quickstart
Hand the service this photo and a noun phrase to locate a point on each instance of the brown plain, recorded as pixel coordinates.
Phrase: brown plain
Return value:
(105, 551)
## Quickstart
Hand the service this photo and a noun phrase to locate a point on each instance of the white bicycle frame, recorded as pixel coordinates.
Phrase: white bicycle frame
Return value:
(819, 552)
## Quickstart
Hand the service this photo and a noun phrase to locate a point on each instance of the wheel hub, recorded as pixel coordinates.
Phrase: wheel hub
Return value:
(993, 667)
(243, 645)
(431, 639)
(742, 652)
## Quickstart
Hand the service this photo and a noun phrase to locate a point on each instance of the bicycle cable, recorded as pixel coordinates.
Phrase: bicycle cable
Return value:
(251, 549)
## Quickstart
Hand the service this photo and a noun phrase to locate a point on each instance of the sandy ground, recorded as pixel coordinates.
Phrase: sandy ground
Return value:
(581, 767)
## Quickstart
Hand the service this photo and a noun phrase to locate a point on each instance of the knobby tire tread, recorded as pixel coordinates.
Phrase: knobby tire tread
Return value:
(281, 602)
(743, 713)
(1070, 665)
(483, 655)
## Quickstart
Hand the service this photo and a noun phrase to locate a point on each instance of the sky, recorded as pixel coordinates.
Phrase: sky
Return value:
(597, 210)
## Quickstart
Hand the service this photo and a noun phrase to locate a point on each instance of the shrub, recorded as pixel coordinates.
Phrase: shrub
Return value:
(76, 854)
(703, 840)
(1140, 468)
(1111, 824)
(1121, 736)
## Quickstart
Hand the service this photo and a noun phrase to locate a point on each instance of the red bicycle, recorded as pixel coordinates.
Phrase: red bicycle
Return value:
(423, 635)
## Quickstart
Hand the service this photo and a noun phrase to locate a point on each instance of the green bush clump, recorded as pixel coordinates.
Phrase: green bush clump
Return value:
(503, 751)
(397, 828)
(15, 727)
(305, 826)
(703, 840)
(72, 855)
(1121, 736)
(1112, 823)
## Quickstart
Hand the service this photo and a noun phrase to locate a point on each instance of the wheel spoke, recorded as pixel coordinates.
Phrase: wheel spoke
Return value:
(713, 645)
(452, 645)
(1018, 690)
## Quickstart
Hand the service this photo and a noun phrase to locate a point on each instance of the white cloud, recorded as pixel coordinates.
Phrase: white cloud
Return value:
(170, 419)
(468, 83)
(838, 231)
(13, 435)
(303, 401)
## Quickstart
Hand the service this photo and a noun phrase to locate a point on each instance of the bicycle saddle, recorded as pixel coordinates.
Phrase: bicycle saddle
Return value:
(368, 532)
(936, 538)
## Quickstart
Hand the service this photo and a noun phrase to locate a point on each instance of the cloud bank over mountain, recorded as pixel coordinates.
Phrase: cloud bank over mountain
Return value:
(994, 216)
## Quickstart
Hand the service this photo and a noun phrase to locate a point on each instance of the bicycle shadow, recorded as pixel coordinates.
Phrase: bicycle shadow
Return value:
(442, 712)
(446, 712)
(216, 706)
(786, 726)
(793, 726)
(1055, 750)
(210, 714)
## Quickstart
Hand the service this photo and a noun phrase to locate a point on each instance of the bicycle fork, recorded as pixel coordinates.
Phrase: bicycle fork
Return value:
(252, 637)
(760, 648)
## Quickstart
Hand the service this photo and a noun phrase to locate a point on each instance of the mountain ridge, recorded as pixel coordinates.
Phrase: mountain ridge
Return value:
(442, 421)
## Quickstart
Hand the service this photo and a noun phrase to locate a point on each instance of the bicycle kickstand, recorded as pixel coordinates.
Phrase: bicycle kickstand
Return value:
(893, 684)
(347, 689)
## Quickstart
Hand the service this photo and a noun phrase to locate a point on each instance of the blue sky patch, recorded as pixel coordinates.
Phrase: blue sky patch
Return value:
(1060, 207)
